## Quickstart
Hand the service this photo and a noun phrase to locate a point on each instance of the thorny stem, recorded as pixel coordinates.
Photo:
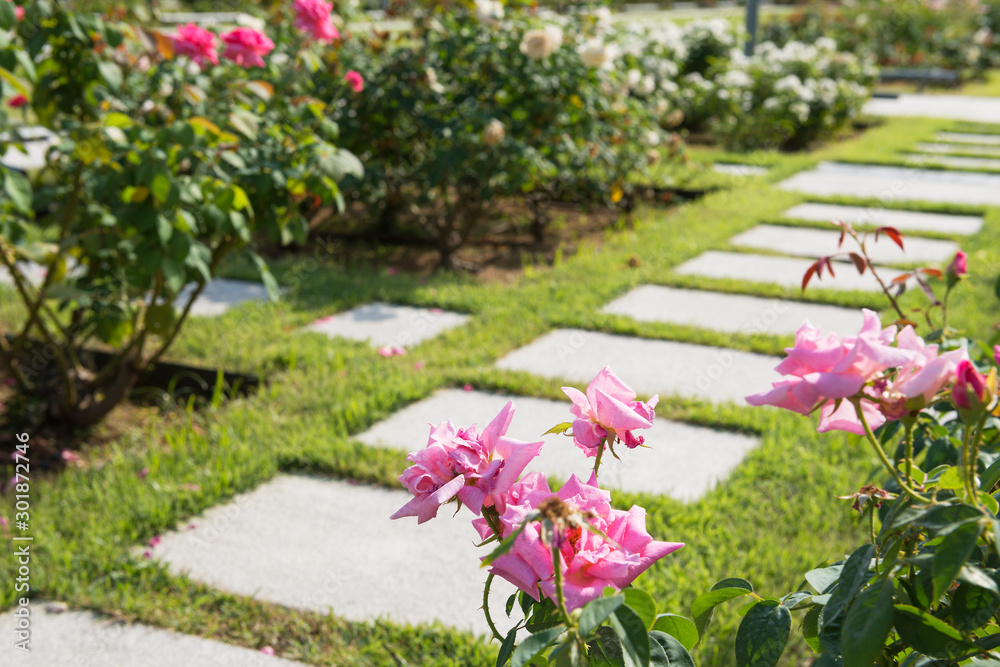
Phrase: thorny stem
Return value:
(885, 459)
(871, 524)
(557, 571)
(600, 452)
(909, 453)
(871, 267)
(486, 608)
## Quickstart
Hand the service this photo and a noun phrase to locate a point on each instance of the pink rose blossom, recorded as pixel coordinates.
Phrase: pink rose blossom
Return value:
(608, 410)
(17, 101)
(355, 81)
(970, 392)
(197, 44)
(919, 380)
(314, 18)
(996, 354)
(466, 387)
(245, 46)
(589, 563)
(477, 468)
(959, 266)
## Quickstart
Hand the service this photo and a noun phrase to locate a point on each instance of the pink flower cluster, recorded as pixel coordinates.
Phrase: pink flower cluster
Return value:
(477, 468)
(589, 563)
(314, 17)
(821, 371)
(244, 46)
(609, 409)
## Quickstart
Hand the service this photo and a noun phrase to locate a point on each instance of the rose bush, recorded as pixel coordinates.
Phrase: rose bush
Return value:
(171, 153)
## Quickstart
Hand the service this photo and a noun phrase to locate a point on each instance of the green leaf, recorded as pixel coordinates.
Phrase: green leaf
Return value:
(560, 428)
(507, 648)
(823, 577)
(159, 319)
(18, 188)
(704, 606)
(566, 654)
(679, 627)
(240, 199)
(929, 635)
(951, 555)
(852, 578)
(597, 611)
(164, 230)
(534, 645)
(606, 648)
(762, 635)
(972, 607)
(111, 74)
(810, 629)
(18, 85)
(632, 631)
(8, 19)
(173, 272)
(643, 604)
(867, 624)
(951, 479)
(666, 651)
(116, 119)
(245, 123)
(338, 163)
(160, 187)
(991, 476)
(945, 517)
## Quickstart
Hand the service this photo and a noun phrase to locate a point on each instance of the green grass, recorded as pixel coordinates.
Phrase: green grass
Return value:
(773, 519)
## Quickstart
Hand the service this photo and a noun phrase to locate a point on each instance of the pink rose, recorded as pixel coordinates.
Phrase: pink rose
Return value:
(477, 468)
(197, 44)
(17, 101)
(970, 392)
(245, 46)
(919, 380)
(588, 563)
(355, 81)
(608, 410)
(996, 354)
(959, 266)
(314, 18)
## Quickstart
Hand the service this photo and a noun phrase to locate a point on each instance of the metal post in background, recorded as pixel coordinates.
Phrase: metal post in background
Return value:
(751, 27)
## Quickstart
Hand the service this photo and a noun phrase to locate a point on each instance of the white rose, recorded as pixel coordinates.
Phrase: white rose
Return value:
(539, 44)
(432, 80)
(632, 78)
(489, 12)
(647, 85)
(595, 53)
(652, 138)
(493, 133)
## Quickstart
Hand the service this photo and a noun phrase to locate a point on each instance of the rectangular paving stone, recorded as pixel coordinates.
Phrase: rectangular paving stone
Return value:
(739, 169)
(329, 546)
(897, 183)
(681, 460)
(387, 324)
(955, 107)
(222, 294)
(969, 138)
(648, 366)
(785, 271)
(805, 242)
(85, 639)
(967, 148)
(953, 161)
(878, 216)
(731, 313)
(36, 142)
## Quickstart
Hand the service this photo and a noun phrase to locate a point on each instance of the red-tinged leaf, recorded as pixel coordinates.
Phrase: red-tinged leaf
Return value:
(829, 265)
(893, 234)
(809, 274)
(901, 278)
(900, 290)
(860, 263)
(819, 267)
(843, 233)
(933, 273)
(928, 291)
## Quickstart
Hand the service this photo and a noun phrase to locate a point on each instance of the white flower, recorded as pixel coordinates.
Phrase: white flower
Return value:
(489, 12)
(493, 133)
(669, 87)
(800, 110)
(736, 79)
(595, 53)
(982, 37)
(647, 85)
(632, 78)
(539, 44)
(652, 138)
(432, 80)
(602, 18)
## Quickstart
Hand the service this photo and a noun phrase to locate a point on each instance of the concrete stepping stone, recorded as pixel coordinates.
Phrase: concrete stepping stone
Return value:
(955, 107)
(784, 271)
(739, 169)
(648, 366)
(731, 313)
(876, 216)
(968, 149)
(681, 460)
(36, 142)
(329, 546)
(969, 138)
(897, 183)
(220, 295)
(387, 324)
(84, 638)
(32, 271)
(954, 161)
(814, 243)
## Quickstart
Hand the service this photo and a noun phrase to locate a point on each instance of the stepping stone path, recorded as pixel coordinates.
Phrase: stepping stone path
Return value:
(329, 546)
(681, 461)
(969, 138)
(222, 294)
(876, 216)
(954, 161)
(36, 142)
(739, 169)
(784, 271)
(648, 366)
(966, 148)
(386, 324)
(731, 313)
(815, 243)
(897, 183)
(84, 639)
(956, 107)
